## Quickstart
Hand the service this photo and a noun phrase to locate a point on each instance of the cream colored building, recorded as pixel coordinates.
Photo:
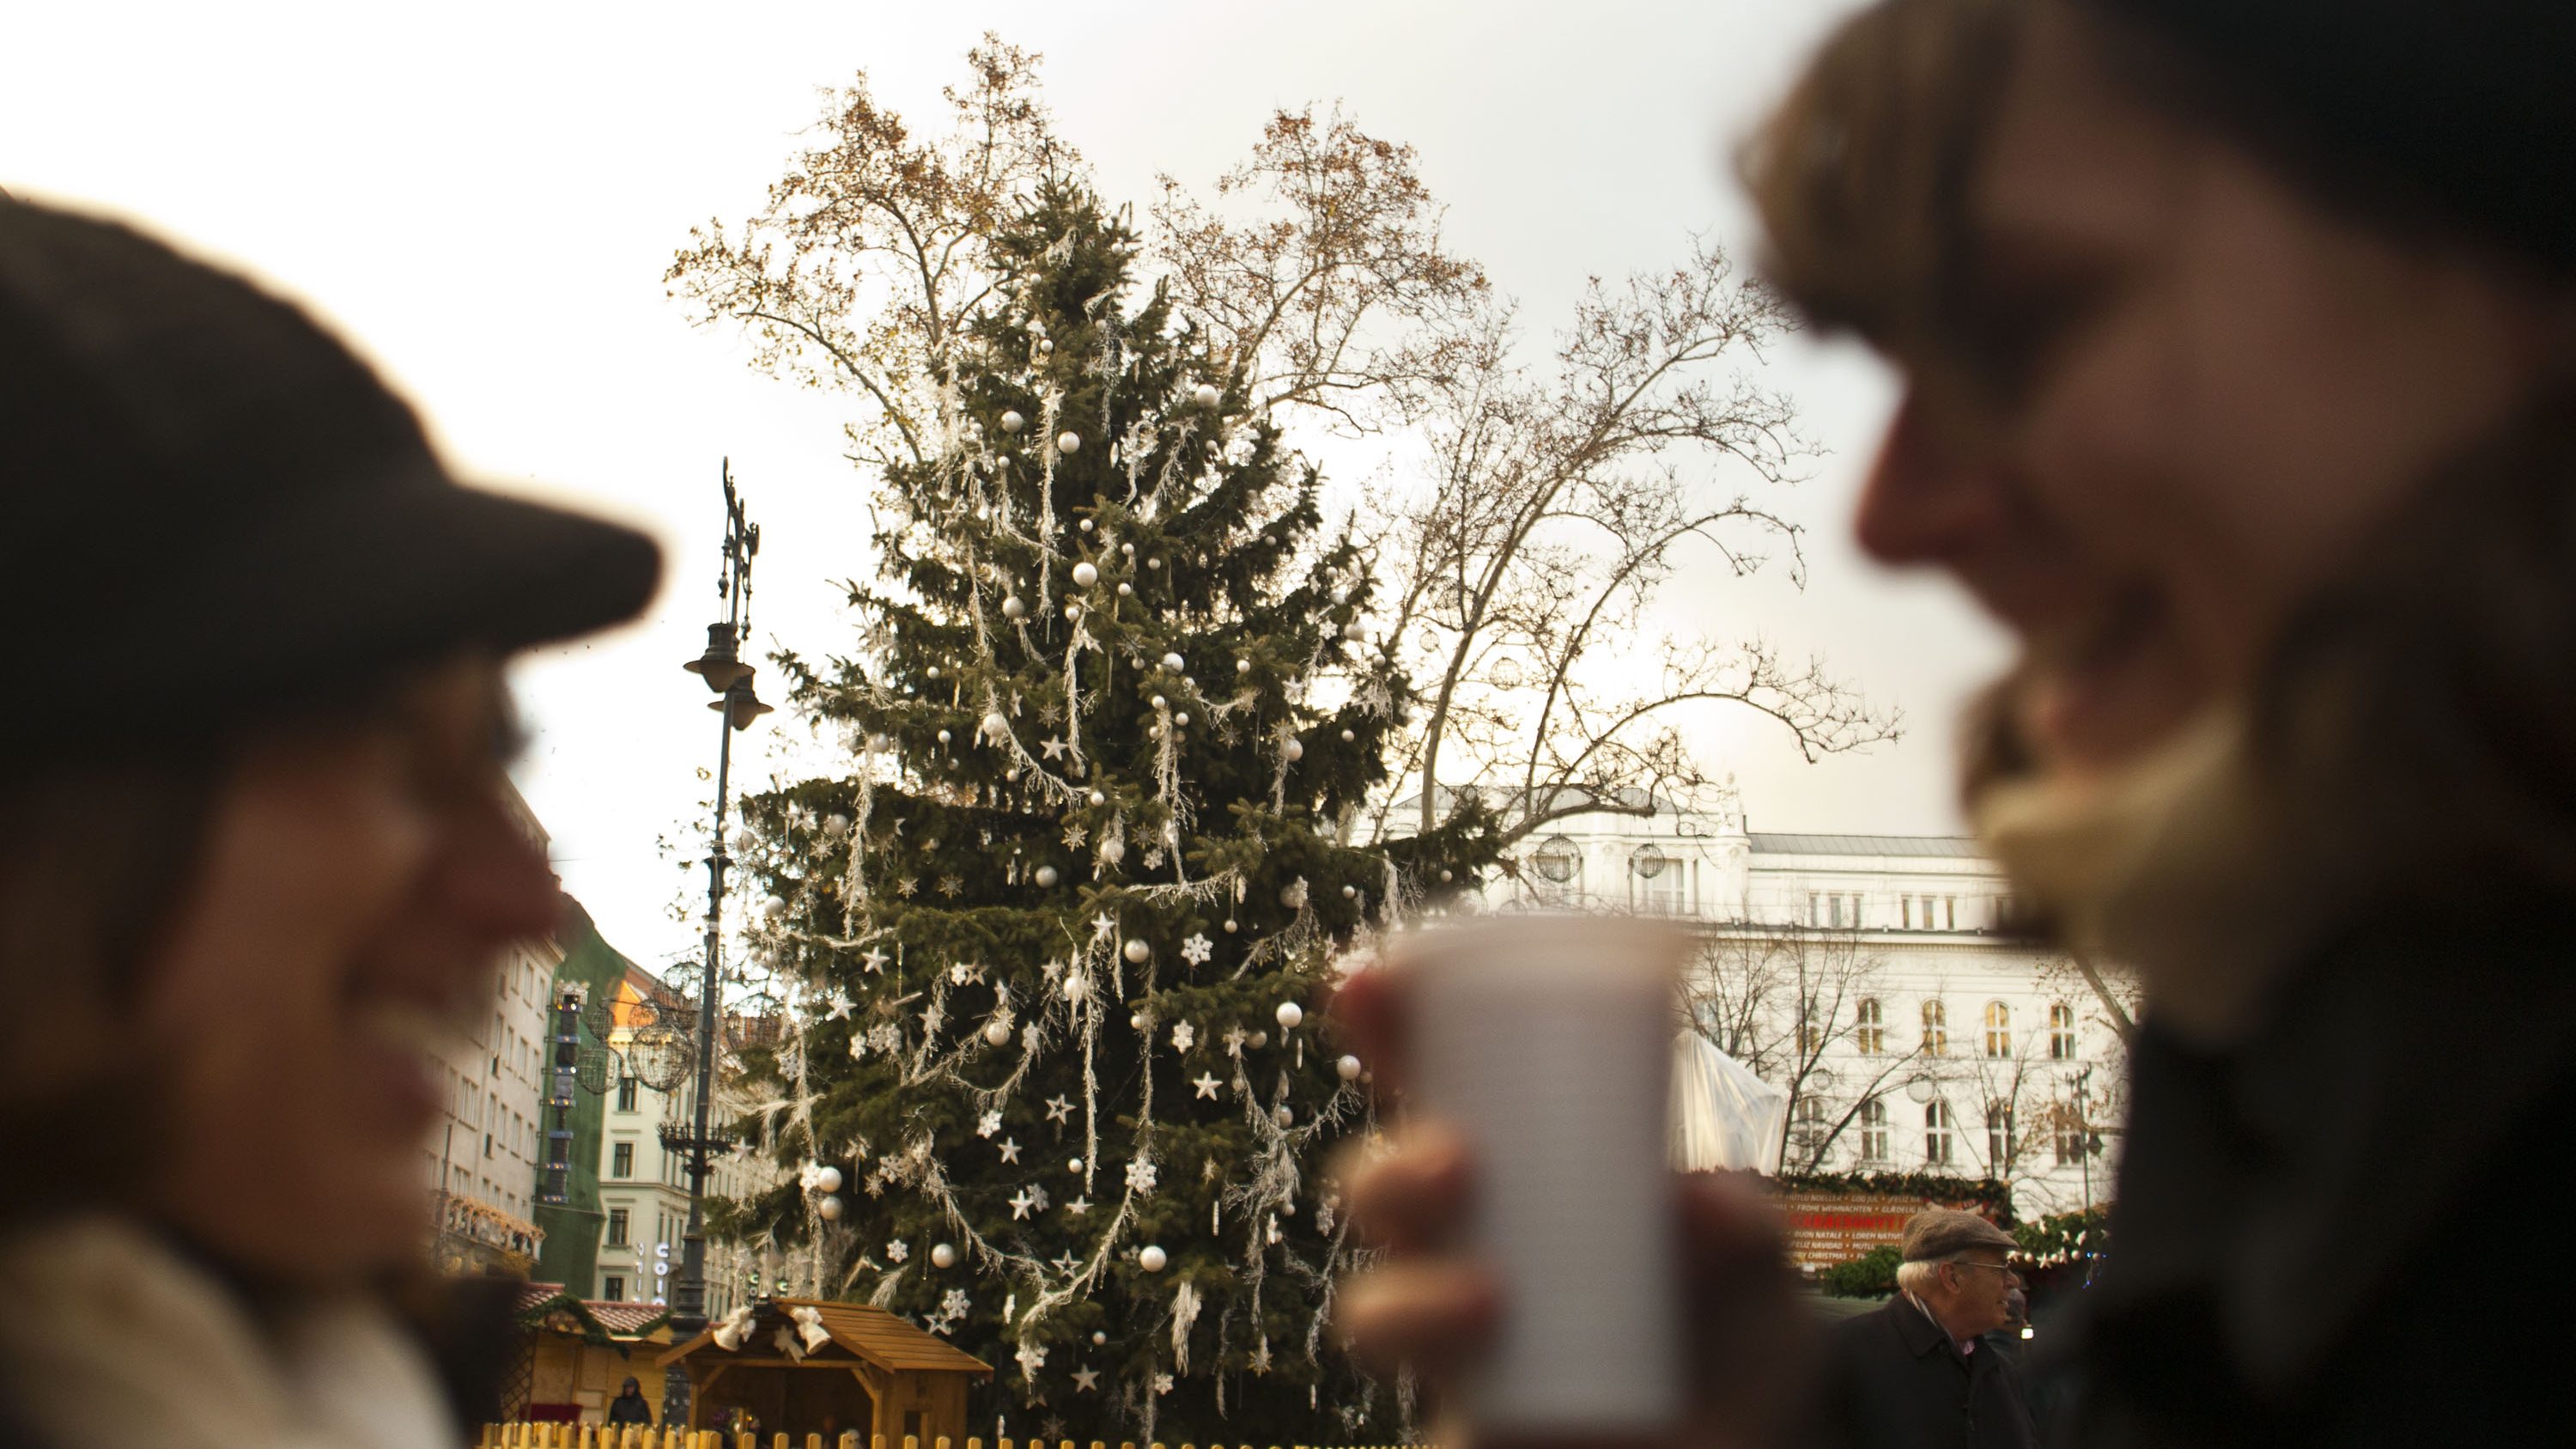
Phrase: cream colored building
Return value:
(480, 1162)
(1880, 979)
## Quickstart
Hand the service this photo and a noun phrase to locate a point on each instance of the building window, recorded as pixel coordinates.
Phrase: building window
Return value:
(1873, 1131)
(626, 1094)
(2061, 1032)
(621, 1160)
(1557, 860)
(1905, 911)
(1949, 913)
(2070, 1137)
(1936, 1134)
(613, 1288)
(1807, 1124)
(1814, 909)
(2001, 1145)
(1998, 1029)
(1834, 911)
(1869, 1031)
(1936, 1028)
(617, 1227)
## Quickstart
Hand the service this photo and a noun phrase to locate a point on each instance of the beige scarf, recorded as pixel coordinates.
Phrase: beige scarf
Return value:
(113, 1338)
(2175, 866)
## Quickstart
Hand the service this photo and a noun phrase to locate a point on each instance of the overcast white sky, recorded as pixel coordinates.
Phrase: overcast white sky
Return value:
(484, 196)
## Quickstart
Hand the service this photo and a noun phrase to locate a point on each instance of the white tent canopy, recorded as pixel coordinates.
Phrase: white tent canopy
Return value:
(1722, 1114)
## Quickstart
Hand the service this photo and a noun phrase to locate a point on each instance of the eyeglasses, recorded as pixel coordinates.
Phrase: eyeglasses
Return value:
(1989, 1267)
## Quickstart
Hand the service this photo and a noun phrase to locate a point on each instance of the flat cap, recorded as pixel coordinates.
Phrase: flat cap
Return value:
(1939, 1232)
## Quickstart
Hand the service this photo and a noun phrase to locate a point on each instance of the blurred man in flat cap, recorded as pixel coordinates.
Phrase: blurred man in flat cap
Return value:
(1913, 1375)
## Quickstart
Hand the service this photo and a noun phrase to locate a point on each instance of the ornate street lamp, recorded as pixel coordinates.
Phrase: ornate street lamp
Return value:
(722, 668)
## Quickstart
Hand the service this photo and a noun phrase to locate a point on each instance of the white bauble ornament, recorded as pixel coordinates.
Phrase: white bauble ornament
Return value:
(1113, 851)
(1347, 737)
(1086, 525)
(1182, 719)
(943, 737)
(1293, 895)
(1099, 799)
(1012, 422)
(1172, 662)
(827, 1179)
(1046, 877)
(1159, 701)
(1137, 1020)
(1285, 1118)
(1098, 1338)
(1293, 751)
(1046, 345)
(1446, 877)
(1125, 589)
(1154, 563)
(943, 1256)
(1152, 1259)
(1243, 666)
(1137, 951)
(997, 1033)
(1257, 1040)
(829, 1209)
(1207, 396)
(836, 824)
(996, 728)
(1349, 891)
(775, 908)
(1073, 1164)
(1012, 608)
(1072, 612)
(1128, 549)
(1353, 631)
(1068, 442)
(1229, 925)
(1289, 1014)
(1348, 1069)
(1084, 575)
(1342, 595)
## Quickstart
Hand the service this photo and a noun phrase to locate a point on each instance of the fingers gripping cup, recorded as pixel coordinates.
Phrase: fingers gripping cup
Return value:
(1546, 1044)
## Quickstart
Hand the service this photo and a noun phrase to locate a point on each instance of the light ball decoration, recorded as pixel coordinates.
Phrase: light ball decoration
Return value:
(1348, 1069)
(1350, 892)
(942, 1255)
(1139, 1021)
(1012, 608)
(1258, 1040)
(1098, 799)
(1290, 1014)
(1347, 737)
(1243, 666)
(836, 824)
(943, 737)
(1084, 575)
(1182, 719)
(997, 1032)
(1068, 442)
(1113, 851)
(829, 1209)
(1046, 877)
(1293, 895)
(828, 1179)
(1173, 662)
(1012, 422)
(1127, 549)
(1072, 612)
(1353, 632)
(1230, 926)
(1136, 951)
(1285, 1118)
(1125, 589)
(1293, 751)
(1206, 395)
(1160, 702)
(1073, 1164)
(1046, 347)
(1153, 1259)
(996, 728)
(1098, 1338)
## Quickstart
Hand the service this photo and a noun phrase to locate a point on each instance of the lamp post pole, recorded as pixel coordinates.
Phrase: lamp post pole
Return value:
(736, 707)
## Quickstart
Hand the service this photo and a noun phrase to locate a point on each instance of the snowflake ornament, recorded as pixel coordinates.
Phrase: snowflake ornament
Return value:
(990, 1123)
(1162, 1384)
(1197, 949)
(1184, 1036)
(898, 1250)
(1141, 1177)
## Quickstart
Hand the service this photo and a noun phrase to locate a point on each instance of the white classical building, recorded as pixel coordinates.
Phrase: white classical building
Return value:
(480, 1163)
(1879, 979)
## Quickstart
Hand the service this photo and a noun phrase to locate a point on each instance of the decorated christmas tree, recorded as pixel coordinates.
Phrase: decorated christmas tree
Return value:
(1061, 1089)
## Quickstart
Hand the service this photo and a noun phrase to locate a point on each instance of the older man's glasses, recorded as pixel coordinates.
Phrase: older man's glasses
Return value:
(1990, 1267)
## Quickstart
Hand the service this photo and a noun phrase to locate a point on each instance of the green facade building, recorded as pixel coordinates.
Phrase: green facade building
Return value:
(568, 1201)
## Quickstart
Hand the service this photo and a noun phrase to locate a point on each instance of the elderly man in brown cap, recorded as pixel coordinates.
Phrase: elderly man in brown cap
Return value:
(1912, 1375)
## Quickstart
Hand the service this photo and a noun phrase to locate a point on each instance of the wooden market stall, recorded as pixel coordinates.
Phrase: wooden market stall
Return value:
(576, 1352)
(803, 1366)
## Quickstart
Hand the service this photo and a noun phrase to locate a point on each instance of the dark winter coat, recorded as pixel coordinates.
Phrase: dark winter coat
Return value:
(2343, 1230)
(630, 1408)
(1894, 1380)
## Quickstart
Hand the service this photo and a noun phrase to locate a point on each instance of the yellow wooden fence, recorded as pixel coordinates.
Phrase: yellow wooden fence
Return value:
(629, 1436)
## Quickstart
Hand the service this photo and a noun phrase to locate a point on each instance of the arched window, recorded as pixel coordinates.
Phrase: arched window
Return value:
(1873, 1131)
(2001, 1145)
(1869, 1029)
(1557, 859)
(1998, 1029)
(2061, 1032)
(1936, 1028)
(1936, 1134)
